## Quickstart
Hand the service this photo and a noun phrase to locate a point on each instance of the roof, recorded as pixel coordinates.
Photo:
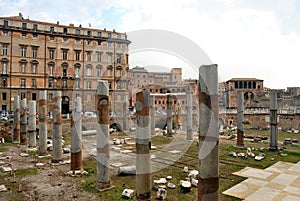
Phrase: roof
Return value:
(244, 79)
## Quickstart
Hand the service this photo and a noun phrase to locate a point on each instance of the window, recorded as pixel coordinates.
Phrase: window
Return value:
(51, 29)
(65, 54)
(51, 38)
(109, 35)
(35, 27)
(88, 42)
(109, 44)
(119, 70)
(33, 83)
(77, 41)
(23, 82)
(118, 58)
(65, 72)
(64, 84)
(34, 52)
(24, 25)
(77, 55)
(34, 36)
(4, 96)
(51, 53)
(23, 68)
(5, 23)
(65, 39)
(109, 58)
(4, 83)
(23, 96)
(4, 49)
(34, 69)
(88, 56)
(5, 33)
(109, 72)
(51, 70)
(99, 54)
(98, 72)
(23, 35)
(89, 33)
(77, 84)
(77, 72)
(33, 96)
(89, 72)
(51, 83)
(23, 51)
(4, 68)
(99, 34)
(77, 31)
(65, 30)
(89, 84)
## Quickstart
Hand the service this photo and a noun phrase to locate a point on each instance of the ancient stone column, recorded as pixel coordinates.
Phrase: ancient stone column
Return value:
(208, 178)
(273, 121)
(43, 123)
(169, 115)
(23, 122)
(189, 106)
(32, 124)
(143, 144)
(76, 129)
(240, 120)
(57, 128)
(103, 155)
(152, 109)
(16, 119)
(125, 117)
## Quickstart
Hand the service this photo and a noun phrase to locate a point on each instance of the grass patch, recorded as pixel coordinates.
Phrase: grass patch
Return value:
(26, 172)
(160, 140)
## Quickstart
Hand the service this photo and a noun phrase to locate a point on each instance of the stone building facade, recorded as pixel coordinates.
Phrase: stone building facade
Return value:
(48, 56)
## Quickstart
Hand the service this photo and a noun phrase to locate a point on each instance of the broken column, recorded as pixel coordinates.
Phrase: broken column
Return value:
(240, 120)
(273, 121)
(169, 115)
(32, 124)
(189, 130)
(103, 155)
(208, 178)
(43, 123)
(152, 109)
(23, 122)
(143, 144)
(57, 128)
(76, 142)
(16, 119)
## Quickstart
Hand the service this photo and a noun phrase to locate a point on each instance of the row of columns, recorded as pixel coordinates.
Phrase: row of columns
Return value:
(208, 135)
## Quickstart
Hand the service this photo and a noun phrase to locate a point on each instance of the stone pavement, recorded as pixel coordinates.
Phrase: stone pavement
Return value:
(279, 182)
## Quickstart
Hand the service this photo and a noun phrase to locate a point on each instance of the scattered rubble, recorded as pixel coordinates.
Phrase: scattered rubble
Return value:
(161, 194)
(161, 183)
(127, 193)
(185, 186)
(3, 188)
(171, 186)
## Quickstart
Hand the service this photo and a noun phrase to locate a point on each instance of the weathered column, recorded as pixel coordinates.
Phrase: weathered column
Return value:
(208, 178)
(273, 121)
(143, 144)
(57, 128)
(169, 115)
(240, 120)
(16, 119)
(43, 123)
(32, 124)
(103, 155)
(76, 143)
(152, 109)
(125, 117)
(189, 130)
(23, 122)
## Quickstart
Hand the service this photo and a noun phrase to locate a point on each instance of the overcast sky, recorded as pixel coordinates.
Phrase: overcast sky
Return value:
(246, 38)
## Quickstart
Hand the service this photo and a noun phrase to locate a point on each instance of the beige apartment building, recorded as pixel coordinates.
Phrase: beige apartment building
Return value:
(37, 56)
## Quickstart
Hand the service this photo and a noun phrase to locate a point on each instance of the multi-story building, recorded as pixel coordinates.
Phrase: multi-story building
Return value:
(139, 77)
(48, 56)
(250, 87)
